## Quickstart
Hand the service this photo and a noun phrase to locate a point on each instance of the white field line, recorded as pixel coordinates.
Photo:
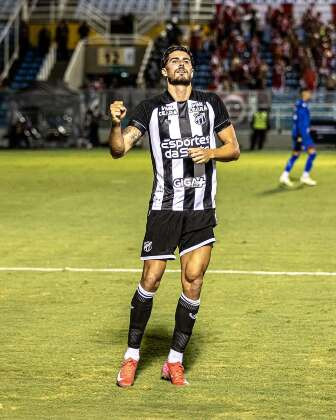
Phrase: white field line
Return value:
(139, 270)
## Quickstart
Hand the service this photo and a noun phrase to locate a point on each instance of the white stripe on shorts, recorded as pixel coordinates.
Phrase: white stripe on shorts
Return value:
(159, 257)
(208, 241)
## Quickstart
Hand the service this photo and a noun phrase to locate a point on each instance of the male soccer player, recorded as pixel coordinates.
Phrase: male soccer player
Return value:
(181, 123)
(301, 141)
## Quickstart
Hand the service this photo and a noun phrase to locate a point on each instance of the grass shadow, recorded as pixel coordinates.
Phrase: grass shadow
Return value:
(154, 347)
(280, 189)
(156, 344)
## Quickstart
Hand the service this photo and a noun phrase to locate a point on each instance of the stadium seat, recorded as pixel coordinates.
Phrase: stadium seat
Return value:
(28, 70)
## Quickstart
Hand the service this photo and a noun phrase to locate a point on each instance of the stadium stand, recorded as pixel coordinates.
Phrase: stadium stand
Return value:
(251, 50)
(27, 70)
(121, 8)
(256, 50)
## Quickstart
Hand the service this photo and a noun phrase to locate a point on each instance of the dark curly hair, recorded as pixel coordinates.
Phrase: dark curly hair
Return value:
(173, 48)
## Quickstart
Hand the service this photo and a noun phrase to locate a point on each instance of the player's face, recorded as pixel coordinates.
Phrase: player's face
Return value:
(306, 95)
(178, 69)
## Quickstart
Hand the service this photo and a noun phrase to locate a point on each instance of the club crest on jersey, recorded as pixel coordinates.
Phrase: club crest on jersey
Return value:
(200, 118)
(148, 246)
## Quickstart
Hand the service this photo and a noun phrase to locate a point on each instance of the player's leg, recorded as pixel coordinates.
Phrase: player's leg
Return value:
(141, 308)
(193, 268)
(284, 178)
(158, 247)
(142, 302)
(305, 178)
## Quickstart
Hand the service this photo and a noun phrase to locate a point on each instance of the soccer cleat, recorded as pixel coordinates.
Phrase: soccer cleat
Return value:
(308, 181)
(174, 372)
(284, 180)
(127, 373)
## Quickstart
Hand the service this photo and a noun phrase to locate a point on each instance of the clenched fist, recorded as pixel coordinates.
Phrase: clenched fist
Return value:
(118, 112)
(200, 154)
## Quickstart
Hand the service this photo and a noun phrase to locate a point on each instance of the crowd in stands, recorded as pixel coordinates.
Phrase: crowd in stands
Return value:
(239, 50)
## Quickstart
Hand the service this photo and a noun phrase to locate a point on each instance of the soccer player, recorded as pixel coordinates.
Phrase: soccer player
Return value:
(301, 141)
(181, 123)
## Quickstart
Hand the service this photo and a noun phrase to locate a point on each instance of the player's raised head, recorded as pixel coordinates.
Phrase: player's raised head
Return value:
(173, 49)
(177, 65)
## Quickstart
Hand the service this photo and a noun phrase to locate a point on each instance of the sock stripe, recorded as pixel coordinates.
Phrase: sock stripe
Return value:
(192, 305)
(143, 293)
(190, 301)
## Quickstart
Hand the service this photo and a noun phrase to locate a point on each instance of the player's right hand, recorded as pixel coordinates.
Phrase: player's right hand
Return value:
(118, 112)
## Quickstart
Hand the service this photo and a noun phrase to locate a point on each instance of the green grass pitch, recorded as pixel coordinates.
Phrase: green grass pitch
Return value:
(263, 346)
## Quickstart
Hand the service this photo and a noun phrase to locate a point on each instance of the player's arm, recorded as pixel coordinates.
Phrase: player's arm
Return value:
(227, 152)
(121, 141)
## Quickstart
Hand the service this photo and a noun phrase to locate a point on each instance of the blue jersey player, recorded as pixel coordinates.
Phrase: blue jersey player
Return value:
(302, 140)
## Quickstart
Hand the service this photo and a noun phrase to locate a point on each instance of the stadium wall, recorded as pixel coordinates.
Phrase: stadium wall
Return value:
(34, 29)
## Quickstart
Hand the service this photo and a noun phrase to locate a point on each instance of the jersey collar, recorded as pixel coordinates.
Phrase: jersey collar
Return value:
(167, 96)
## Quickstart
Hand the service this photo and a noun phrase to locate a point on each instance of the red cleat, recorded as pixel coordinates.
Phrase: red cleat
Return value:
(127, 373)
(174, 372)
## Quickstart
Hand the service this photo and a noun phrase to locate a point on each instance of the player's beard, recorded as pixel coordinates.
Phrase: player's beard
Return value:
(181, 82)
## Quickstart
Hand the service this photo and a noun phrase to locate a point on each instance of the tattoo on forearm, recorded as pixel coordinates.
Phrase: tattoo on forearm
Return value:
(132, 133)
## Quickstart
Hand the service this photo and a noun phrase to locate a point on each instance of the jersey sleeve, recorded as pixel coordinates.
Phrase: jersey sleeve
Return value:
(139, 118)
(222, 118)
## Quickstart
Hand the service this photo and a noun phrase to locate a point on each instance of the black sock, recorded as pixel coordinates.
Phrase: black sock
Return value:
(185, 317)
(141, 308)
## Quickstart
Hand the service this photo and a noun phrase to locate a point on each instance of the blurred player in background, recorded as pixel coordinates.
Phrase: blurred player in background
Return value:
(301, 141)
(181, 123)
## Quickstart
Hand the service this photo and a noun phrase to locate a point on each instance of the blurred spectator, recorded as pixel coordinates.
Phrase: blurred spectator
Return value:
(91, 124)
(195, 39)
(309, 78)
(83, 30)
(62, 35)
(173, 31)
(278, 76)
(44, 40)
(24, 43)
(247, 53)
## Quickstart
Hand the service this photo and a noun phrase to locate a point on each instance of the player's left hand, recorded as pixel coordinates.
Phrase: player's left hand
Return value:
(200, 155)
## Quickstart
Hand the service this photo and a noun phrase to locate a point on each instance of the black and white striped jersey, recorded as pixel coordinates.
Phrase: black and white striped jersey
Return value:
(173, 127)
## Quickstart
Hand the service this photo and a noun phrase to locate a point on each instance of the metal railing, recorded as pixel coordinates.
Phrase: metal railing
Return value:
(140, 78)
(162, 12)
(74, 74)
(94, 17)
(48, 63)
(9, 41)
(241, 105)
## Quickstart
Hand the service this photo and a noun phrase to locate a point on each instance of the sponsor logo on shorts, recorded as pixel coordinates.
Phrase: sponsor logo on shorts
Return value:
(197, 182)
(148, 246)
(178, 148)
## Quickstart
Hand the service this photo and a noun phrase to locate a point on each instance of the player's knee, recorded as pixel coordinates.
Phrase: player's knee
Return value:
(194, 275)
(151, 280)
